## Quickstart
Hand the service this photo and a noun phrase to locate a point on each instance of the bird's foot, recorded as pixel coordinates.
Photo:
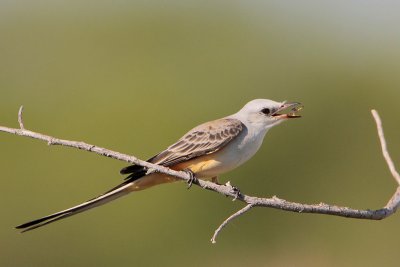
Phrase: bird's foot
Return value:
(234, 190)
(192, 178)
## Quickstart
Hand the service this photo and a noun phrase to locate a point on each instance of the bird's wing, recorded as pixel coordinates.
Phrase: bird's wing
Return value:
(204, 139)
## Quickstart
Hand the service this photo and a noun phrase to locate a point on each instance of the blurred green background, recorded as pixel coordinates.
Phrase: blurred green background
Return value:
(133, 76)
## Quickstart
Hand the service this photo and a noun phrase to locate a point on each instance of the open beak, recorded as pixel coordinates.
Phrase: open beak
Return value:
(288, 111)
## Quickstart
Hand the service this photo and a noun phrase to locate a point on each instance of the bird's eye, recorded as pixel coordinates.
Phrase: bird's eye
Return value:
(266, 111)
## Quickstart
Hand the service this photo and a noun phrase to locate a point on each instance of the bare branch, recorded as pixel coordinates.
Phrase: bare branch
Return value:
(385, 151)
(230, 218)
(394, 202)
(20, 121)
(92, 148)
(227, 189)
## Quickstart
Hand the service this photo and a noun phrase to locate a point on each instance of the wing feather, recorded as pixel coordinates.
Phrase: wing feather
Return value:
(204, 139)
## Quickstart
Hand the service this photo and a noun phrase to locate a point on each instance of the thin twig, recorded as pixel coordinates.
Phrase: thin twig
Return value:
(228, 190)
(20, 120)
(385, 151)
(394, 202)
(230, 218)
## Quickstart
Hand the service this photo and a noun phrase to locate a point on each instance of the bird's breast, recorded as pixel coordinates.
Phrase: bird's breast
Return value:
(228, 158)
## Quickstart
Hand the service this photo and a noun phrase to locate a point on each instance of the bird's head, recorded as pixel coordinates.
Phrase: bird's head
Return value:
(267, 113)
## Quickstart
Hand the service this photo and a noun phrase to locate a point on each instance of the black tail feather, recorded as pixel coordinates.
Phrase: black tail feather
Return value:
(34, 222)
(117, 192)
(135, 172)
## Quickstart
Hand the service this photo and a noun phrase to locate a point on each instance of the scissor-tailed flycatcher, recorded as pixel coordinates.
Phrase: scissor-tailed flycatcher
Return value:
(207, 151)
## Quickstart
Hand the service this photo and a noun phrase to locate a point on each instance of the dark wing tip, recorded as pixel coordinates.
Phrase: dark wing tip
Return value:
(125, 170)
(135, 168)
(131, 169)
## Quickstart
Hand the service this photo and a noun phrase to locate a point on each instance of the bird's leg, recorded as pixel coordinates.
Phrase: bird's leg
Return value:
(235, 190)
(215, 180)
(192, 178)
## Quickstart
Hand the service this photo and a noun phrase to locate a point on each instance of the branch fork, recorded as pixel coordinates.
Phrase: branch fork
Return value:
(231, 191)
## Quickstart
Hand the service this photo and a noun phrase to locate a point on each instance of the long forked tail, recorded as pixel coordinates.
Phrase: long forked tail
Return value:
(114, 193)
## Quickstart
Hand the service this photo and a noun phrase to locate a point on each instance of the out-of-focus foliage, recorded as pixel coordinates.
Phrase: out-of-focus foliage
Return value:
(133, 76)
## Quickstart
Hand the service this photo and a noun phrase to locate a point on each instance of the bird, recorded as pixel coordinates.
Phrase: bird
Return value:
(206, 152)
